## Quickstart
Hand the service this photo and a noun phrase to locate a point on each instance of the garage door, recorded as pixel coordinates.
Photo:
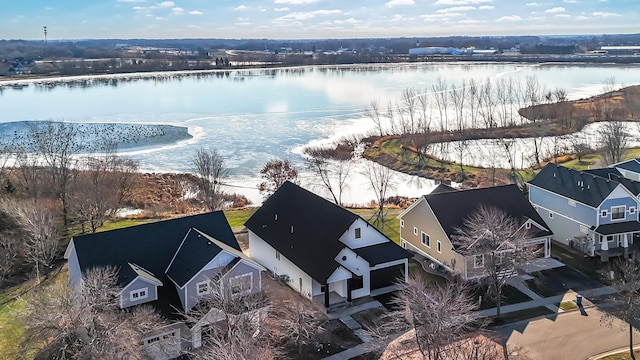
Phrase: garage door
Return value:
(386, 276)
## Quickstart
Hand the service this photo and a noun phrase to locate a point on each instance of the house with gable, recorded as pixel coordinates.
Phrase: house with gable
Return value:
(594, 211)
(630, 169)
(170, 265)
(429, 226)
(324, 252)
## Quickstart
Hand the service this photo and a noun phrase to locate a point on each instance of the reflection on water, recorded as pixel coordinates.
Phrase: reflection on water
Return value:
(253, 115)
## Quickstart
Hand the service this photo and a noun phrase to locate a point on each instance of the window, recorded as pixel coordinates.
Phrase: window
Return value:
(401, 223)
(439, 246)
(415, 230)
(139, 294)
(550, 215)
(617, 212)
(604, 213)
(425, 240)
(203, 288)
(358, 233)
(632, 209)
(527, 225)
(478, 261)
(241, 284)
(277, 255)
(609, 238)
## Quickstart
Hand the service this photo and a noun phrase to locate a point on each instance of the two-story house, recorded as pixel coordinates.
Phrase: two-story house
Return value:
(429, 226)
(170, 265)
(325, 252)
(593, 211)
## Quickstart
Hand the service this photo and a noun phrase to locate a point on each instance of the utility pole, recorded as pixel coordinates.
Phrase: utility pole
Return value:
(45, 41)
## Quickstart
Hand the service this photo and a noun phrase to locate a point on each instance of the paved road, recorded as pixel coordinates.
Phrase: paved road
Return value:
(565, 336)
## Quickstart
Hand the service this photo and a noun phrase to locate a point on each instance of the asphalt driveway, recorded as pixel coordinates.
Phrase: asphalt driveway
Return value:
(561, 279)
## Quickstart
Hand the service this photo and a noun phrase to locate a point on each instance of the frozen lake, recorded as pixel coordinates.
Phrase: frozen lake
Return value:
(251, 116)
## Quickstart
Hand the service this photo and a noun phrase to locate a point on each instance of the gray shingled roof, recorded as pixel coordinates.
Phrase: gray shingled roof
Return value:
(452, 208)
(631, 165)
(583, 187)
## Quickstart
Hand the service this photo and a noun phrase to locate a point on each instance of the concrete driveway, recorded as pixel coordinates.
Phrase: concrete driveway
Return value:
(565, 336)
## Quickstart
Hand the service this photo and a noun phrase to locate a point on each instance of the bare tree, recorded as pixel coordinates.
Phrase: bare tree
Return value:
(39, 228)
(85, 322)
(373, 113)
(58, 143)
(496, 242)
(626, 282)
(210, 166)
(296, 324)
(614, 140)
(332, 174)
(232, 326)
(437, 315)
(275, 173)
(380, 179)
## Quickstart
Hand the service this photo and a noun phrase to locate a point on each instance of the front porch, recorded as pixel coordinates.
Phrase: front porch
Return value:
(615, 240)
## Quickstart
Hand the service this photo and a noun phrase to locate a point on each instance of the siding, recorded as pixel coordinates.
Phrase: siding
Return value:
(192, 297)
(558, 204)
(609, 203)
(564, 229)
(242, 268)
(138, 283)
(265, 255)
(75, 274)
(358, 266)
(422, 217)
(369, 235)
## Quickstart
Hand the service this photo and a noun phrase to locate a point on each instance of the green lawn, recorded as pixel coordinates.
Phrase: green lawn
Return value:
(622, 356)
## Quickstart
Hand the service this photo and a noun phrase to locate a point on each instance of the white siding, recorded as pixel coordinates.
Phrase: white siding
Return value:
(368, 235)
(358, 266)
(75, 274)
(265, 255)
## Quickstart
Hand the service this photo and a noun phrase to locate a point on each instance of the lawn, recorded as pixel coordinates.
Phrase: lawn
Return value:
(622, 356)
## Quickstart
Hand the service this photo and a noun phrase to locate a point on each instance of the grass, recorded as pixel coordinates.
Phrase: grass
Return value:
(568, 305)
(237, 218)
(12, 301)
(622, 356)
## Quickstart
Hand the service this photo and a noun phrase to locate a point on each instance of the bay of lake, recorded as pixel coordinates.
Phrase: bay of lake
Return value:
(251, 116)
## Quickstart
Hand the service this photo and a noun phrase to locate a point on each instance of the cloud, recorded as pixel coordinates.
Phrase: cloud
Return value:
(440, 16)
(533, 4)
(240, 8)
(393, 3)
(166, 4)
(555, 10)
(471, 21)
(294, 2)
(177, 10)
(462, 2)
(582, 17)
(131, 1)
(509, 18)
(195, 12)
(281, 9)
(605, 14)
(456, 9)
(562, 16)
(570, 1)
(307, 15)
(486, 7)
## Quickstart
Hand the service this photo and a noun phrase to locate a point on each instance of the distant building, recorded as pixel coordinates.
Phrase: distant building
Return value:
(440, 50)
(621, 50)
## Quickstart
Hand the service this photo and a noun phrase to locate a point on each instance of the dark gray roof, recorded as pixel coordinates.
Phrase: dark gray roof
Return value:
(194, 253)
(382, 253)
(452, 208)
(317, 225)
(442, 188)
(631, 165)
(150, 246)
(615, 175)
(304, 228)
(617, 228)
(586, 188)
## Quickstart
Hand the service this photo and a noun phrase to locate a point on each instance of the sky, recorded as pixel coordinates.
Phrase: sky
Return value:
(313, 19)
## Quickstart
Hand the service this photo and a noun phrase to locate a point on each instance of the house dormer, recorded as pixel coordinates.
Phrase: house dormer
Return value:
(142, 288)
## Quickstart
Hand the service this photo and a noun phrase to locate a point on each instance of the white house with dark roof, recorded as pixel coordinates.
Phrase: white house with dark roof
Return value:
(630, 169)
(325, 252)
(594, 211)
(170, 265)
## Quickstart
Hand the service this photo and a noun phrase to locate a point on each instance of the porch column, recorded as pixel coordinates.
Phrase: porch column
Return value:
(625, 245)
(604, 244)
(547, 247)
(326, 295)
